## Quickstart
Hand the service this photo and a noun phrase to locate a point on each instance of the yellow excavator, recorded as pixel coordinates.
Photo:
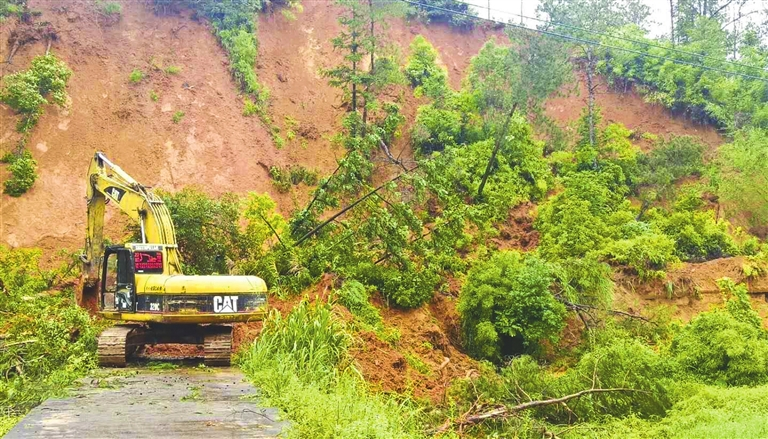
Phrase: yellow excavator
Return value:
(142, 285)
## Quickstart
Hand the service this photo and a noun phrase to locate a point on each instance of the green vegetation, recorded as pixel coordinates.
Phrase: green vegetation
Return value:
(453, 12)
(234, 25)
(173, 70)
(284, 178)
(743, 166)
(506, 301)
(300, 363)
(10, 8)
(22, 168)
(109, 8)
(249, 108)
(154, 96)
(47, 341)
(177, 116)
(27, 91)
(136, 76)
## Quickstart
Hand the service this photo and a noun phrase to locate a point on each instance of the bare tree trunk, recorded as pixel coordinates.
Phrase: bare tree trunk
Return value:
(501, 412)
(591, 98)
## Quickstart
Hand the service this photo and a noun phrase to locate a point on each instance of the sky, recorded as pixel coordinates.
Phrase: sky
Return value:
(511, 9)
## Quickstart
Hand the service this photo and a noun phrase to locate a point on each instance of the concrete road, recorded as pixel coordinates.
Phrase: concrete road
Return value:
(137, 403)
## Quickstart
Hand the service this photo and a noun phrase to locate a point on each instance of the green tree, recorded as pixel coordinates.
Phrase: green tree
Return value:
(743, 181)
(594, 16)
(508, 298)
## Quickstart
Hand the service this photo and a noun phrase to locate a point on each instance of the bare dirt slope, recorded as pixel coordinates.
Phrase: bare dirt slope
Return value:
(183, 403)
(213, 146)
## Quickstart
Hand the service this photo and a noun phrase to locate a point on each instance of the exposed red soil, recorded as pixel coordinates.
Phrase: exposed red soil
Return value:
(428, 335)
(628, 108)
(690, 289)
(517, 233)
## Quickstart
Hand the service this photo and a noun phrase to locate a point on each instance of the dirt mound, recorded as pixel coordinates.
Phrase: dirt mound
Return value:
(424, 360)
(518, 232)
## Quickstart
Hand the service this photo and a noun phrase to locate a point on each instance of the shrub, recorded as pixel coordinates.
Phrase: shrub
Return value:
(136, 76)
(249, 108)
(26, 92)
(436, 129)
(647, 255)
(453, 12)
(697, 235)
(423, 71)
(724, 346)
(354, 296)
(154, 96)
(177, 116)
(206, 229)
(670, 161)
(109, 8)
(173, 70)
(508, 299)
(22, 168)
(285, 177)
(405, 285)
(48, 341)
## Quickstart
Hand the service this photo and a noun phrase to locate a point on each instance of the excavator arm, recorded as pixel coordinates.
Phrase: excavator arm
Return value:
(108, 183)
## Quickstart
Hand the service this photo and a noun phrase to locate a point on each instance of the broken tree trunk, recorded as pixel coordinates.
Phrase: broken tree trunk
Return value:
(496, 148)
(501, 412)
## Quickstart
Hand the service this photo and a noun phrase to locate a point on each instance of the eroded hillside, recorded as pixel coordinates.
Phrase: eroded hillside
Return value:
(214, 146)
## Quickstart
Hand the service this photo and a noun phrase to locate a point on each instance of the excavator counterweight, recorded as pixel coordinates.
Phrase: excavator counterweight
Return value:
(142, 284)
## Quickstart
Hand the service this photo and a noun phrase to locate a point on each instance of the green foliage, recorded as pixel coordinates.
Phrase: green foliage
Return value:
(670, 161)
(26, 91)
(173, 70)
(109, 8)
(505, 298)
(646, 255)
(234, 25)
(453, 12)
(206, 229)
(704, 95)
(154, 96)
(301, 365)
(725, 346)
(48, 341)
(9, 8)
(423, 71)
(354, 296)
(697, 235)
(22, 168)
(743, 166)
(177, 116)
(249, 108)
(136, 76)
(285, 177)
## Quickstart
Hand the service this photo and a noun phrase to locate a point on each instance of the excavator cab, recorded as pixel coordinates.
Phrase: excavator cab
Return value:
(118, 287)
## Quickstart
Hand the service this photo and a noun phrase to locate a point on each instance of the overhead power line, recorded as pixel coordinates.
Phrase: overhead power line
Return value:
(587, 41)
(617, 37)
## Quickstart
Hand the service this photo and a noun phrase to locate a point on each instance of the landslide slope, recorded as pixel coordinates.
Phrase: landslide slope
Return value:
(213, 146)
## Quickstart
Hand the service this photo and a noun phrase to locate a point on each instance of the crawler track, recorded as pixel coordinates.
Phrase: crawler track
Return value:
(218, 346)
(116, 344)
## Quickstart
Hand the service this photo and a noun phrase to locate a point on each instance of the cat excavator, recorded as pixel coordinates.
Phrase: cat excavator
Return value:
(142, 286)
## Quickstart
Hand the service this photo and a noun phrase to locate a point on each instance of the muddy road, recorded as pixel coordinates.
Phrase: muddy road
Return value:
(142, 403)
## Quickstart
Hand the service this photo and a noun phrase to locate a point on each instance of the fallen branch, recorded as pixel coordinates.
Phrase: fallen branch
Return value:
(350, 207)
(499, 141)
(500, 412)
(578, 307)
(385, 148)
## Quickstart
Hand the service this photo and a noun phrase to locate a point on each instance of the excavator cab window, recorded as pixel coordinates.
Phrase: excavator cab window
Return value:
(118, 292)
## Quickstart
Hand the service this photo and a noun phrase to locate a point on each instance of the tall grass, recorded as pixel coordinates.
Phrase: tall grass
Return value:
(301, 365)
